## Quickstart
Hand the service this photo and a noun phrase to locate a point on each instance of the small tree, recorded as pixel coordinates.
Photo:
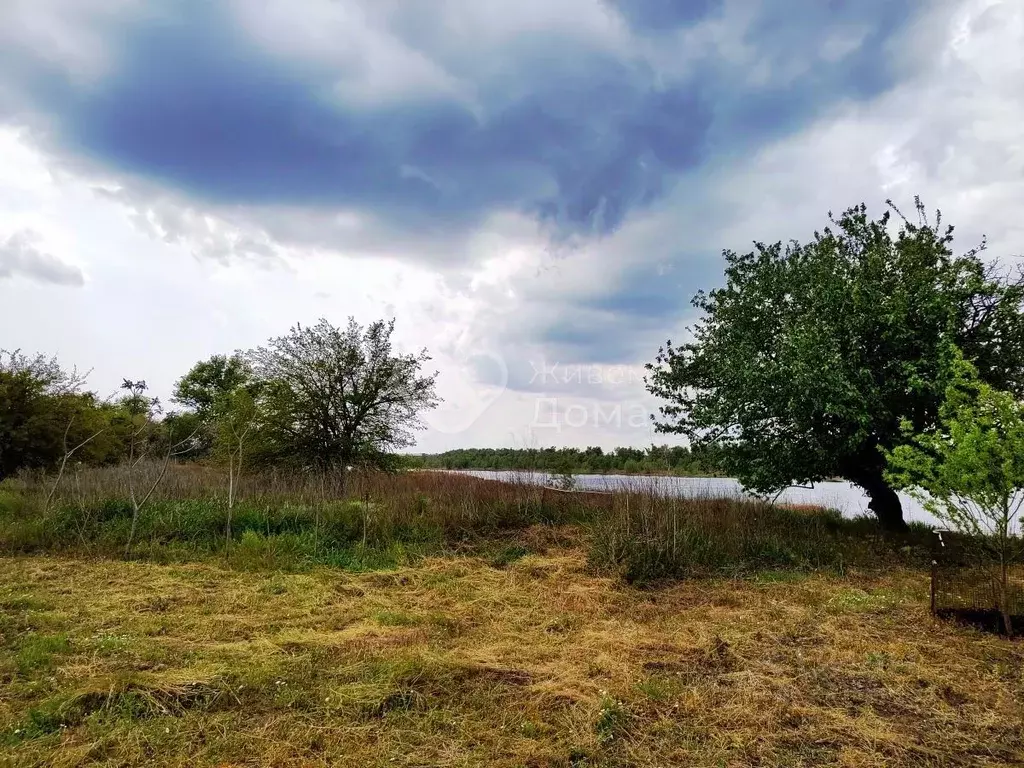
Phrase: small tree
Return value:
(69, 451)
(145, 436)
(968, 471)
(237, 418)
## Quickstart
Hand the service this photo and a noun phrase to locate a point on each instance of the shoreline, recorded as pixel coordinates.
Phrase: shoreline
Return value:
(610, 473)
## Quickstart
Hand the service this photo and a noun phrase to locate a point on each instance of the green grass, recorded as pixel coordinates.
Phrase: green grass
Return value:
(655, 539)
(393, 619)
(507, 555)
(384, 522)
(287, 537)
(38, 652)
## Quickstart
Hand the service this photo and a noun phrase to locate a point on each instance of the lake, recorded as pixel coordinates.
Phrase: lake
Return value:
(844, 497)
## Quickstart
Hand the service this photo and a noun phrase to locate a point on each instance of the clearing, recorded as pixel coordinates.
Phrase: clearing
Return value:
(525, 658)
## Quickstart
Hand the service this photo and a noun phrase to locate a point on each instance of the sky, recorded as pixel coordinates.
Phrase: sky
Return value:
(533, 190)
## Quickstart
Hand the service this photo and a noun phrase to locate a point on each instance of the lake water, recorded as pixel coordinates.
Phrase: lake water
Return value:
(848, 499)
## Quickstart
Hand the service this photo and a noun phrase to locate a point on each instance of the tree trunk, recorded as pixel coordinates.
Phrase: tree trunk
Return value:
(884, 503)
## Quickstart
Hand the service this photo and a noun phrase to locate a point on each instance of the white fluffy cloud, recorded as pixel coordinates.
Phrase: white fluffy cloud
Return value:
(20, 256)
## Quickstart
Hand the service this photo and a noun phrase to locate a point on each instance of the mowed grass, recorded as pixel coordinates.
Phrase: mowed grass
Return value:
(528, 657)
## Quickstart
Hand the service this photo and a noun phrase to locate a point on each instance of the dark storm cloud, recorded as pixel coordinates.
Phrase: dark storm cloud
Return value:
(583, 137)
(576, 133)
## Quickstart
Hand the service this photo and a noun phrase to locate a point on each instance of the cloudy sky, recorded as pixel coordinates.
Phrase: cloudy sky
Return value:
(533, 188)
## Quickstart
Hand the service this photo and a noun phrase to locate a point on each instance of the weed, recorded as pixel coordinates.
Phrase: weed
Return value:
(107, 644)
(37, 652)
(649, 538)
(379, 521)
(530, 729)
(508, 555)
(878, 659)
(395, 619)
(613, 719)
(660, 688)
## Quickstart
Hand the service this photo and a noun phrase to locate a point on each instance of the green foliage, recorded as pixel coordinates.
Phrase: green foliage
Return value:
(319, 397)
(968, 470)
(43, 416)
(207, 390)
(335, 397)
(185, 423)
(209, 381)
(811, 356)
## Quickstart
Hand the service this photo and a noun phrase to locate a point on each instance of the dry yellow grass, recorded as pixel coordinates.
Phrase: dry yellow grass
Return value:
(455, 662)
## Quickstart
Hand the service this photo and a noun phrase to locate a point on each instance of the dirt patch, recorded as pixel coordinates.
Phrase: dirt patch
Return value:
(984, 620)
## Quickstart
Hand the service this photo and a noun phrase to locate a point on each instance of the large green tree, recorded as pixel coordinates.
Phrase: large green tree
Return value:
(806, 363)
(337, 396)
(210, 381)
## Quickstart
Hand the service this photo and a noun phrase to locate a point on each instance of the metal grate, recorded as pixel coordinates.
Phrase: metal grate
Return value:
(964, 586)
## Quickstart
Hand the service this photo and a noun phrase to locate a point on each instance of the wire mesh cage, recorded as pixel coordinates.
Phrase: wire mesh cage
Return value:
(967, 583)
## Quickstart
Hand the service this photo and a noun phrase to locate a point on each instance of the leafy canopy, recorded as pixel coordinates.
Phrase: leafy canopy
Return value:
(334, 395)
(813, 355)
(968, 470)
(210, 381)
(43, 415)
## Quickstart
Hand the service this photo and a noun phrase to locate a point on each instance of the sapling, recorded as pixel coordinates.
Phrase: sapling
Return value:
(968, 471)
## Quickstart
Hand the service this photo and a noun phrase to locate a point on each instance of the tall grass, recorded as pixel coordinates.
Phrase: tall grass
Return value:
(646, 536)
(368, 520)
(282, 520)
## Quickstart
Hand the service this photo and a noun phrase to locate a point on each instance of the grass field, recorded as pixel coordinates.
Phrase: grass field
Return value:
(520, 654)
(433, 619)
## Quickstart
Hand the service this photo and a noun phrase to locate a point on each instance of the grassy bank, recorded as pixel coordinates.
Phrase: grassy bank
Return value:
(360, 522)
(536, 661)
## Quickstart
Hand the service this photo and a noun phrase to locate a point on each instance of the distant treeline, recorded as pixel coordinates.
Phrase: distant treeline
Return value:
(657, 459)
